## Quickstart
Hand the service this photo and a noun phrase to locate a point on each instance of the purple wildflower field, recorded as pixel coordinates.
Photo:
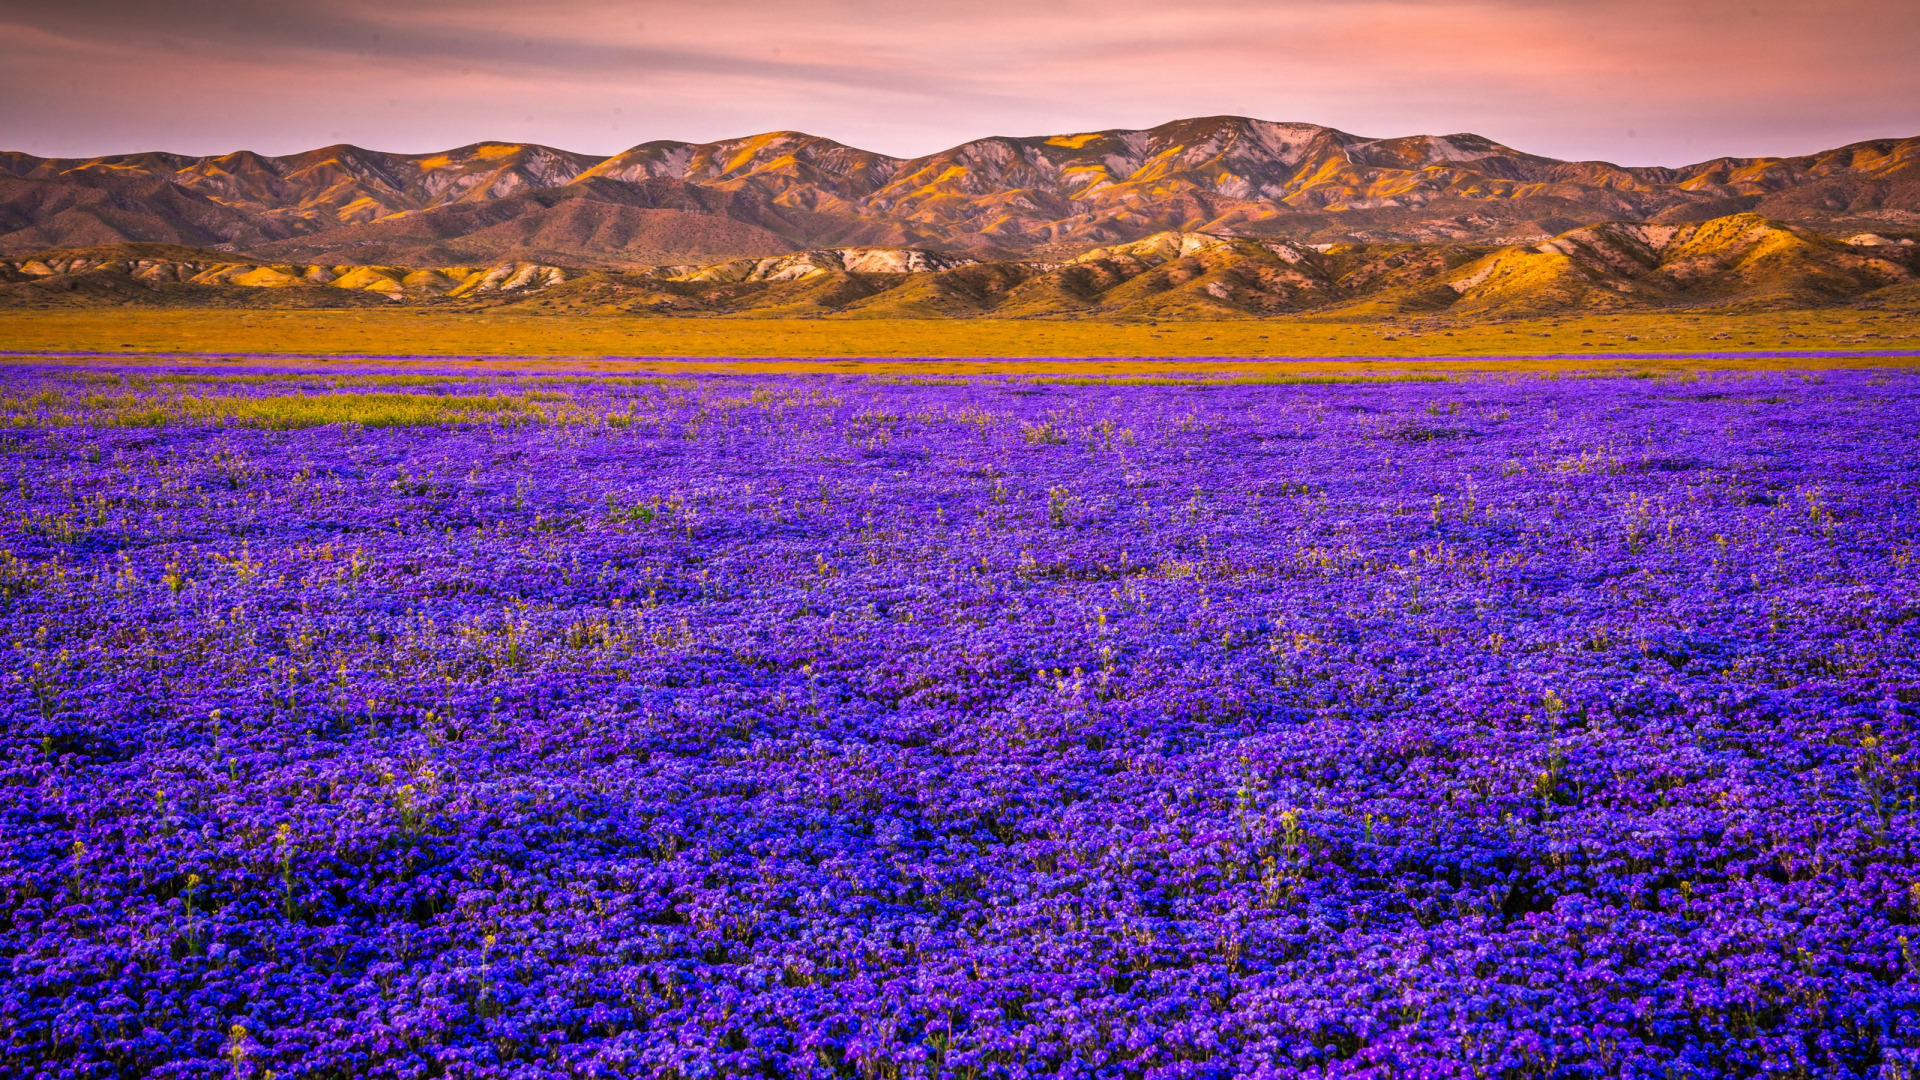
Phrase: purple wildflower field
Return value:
(815, 726)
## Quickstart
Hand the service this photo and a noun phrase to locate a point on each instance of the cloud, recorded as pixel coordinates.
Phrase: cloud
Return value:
(1630, 80)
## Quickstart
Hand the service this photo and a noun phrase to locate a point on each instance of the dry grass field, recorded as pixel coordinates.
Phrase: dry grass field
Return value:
(430, 333)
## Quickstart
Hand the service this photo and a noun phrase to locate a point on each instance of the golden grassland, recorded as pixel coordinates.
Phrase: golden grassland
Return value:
(461, 376)
(430, 333)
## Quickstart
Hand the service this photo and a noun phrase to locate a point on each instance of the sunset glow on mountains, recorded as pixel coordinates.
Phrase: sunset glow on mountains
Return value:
(1637, 82)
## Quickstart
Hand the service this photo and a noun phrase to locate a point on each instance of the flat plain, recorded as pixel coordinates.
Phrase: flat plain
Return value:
(395, 718)
(432, 333)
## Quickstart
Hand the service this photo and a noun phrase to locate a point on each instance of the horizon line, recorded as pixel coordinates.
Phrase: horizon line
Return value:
(599, 158)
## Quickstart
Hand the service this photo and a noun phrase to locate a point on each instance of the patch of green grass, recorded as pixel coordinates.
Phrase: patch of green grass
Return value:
(281, 411)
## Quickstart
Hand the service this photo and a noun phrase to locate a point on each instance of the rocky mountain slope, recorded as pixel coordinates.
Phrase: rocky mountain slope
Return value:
(991, 199)
(1737, 262)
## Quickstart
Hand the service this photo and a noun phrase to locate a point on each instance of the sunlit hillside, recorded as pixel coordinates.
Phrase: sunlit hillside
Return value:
(1742, 262)
(1050, 196)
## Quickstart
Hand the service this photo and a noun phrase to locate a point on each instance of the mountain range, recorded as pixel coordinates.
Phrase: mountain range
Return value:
(994, 200)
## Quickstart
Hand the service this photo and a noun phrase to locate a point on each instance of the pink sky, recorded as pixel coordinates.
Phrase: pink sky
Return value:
(1632, 81)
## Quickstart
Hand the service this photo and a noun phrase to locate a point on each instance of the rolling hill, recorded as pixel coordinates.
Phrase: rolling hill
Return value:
(1741, 262)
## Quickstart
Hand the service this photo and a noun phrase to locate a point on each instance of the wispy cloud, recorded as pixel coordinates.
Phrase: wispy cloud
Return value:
(1631, 80)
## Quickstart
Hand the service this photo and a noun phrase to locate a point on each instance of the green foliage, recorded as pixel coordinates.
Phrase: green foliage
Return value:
(282, 411)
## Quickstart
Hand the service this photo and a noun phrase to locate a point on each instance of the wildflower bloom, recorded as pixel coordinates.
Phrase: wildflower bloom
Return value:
(605, 727)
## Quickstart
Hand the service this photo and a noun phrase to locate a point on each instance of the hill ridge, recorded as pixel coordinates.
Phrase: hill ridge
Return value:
(996, 197)
(1737, 262)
